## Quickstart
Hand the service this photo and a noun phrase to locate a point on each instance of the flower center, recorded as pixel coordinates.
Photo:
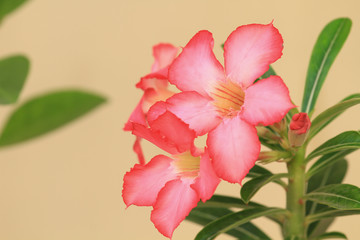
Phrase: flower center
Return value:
(187, 165)
(228, 98)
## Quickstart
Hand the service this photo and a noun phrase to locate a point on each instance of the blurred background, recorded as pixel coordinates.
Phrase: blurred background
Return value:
(67, 185)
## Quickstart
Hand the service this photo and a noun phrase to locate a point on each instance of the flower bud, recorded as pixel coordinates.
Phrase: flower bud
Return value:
(299, 127)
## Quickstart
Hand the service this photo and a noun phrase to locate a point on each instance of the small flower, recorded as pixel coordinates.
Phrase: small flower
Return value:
(172, 185)
(225, 102)
(155, 87)
(298, 129)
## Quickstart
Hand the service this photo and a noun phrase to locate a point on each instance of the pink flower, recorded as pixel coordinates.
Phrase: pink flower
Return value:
(172, 185)
(298, 129)
(225, 102)
(155, 89)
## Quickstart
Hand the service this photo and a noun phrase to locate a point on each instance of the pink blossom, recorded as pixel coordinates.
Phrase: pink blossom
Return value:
(155, 87)
(298, 129)
(224, 101)
(172, 185)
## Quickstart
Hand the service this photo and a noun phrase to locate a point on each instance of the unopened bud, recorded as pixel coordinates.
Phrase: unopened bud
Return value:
(298, 129)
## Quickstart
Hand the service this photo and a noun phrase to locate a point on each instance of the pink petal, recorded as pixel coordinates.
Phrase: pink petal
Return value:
(207, 181)
(137, 116)
(153, 80)
(164, 54)
(266, 102)
(196, 68)
(138, 150)
(249, 50)
(143, 183)
(167, 132)
(174, 203)
(195, 110)
(234, 147)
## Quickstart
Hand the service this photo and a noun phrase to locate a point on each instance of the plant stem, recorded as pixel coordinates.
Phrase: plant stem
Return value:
(294, 227)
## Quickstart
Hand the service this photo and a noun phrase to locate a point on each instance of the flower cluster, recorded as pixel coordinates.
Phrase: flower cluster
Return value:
(226, 103)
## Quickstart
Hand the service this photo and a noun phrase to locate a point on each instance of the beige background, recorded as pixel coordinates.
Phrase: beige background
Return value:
(68, 184)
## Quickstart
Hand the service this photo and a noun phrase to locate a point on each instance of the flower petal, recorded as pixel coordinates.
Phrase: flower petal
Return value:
(153, 80)
(138, 150)
(249, 50)
(143, 183)
(207, 181)
(137, 116)
(167, 132)
(164, 54)
(174, 203)
(266, 102)
(193, 109)
(196, 68)
(234, 147)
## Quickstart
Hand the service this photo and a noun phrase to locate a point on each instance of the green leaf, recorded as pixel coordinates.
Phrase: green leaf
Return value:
(253, 186)
(13, 73)
(343, 141)
(330, 114)
(330, 213)
(231, 221)
(333, 174)
(326, 161)
(326, 49)
(258, 171)
(46, 113)
(331, 235)
(219, 201)
(247, 231)
(339, 196)
(8, 6)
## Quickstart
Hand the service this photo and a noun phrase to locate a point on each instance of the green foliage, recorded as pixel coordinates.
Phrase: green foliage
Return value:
(338, 196)
(330, 114)
(8, 6)
(331, 235)
(46, 113)
(344, 141)
(327, 47)
(332, 174)
(13, 73)
(247, 231)
(252, 186)
(233, 220)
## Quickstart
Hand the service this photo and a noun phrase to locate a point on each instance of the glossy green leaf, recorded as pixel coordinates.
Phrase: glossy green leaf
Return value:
(339, 196)
(220, 201)
(331, 235)
(333, 174)
(231, 221)
(247, 231)
(8, 6)
(330, 114)
(326, 161)
(46, 113)
(344, 141)
(326, 49)
(258, 171)
(253, 186)
(13, 73)
(331, 213)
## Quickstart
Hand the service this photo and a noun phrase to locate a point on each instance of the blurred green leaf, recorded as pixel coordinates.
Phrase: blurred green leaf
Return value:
(8, 6)
(247, 231)
(253, 186)
(330, 114)
(46, 113)
(13, 73)
(326, 161)
(220, 201)
(343, 141)
(331, 235)
(330, 213)
(258, 171)
(327, 47)
(339, 196)
(333, 174)
(231, 221)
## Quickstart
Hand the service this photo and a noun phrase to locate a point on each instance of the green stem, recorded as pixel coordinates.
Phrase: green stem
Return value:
(294, 227)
